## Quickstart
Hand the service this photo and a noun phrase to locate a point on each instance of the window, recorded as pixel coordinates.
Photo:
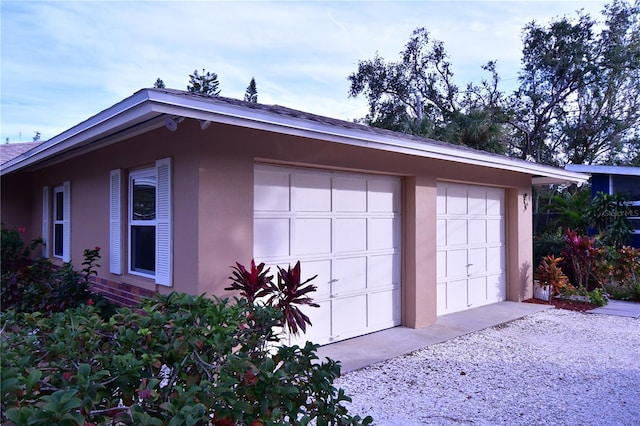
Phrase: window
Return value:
(142, 222)
(61, 213)
(629, 186)
(148, 222)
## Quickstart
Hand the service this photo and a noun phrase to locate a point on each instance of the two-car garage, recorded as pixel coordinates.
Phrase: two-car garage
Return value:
(347, 228)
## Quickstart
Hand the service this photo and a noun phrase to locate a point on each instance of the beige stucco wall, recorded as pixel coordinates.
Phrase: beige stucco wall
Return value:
(213, 204)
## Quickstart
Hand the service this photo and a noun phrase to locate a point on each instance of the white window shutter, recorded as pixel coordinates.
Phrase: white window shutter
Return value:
(46, 212)
(164, 237)
(115, 222)
(66, 221)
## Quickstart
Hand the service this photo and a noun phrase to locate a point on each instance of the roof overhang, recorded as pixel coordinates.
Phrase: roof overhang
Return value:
(603, 170)
(147, 109)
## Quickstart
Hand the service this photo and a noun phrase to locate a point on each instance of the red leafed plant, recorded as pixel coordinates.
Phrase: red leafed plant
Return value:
(290, 293)
(286, 296)
(252, 284)
(549, 273)
(580, 251)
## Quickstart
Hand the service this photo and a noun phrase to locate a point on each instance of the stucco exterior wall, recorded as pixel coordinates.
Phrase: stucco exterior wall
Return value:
(213, 204)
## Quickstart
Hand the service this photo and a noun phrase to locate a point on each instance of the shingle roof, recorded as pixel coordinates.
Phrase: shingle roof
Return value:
(9, 151)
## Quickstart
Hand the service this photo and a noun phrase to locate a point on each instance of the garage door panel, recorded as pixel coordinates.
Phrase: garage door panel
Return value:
(350, 194)
(441, 232)
(348, 276)
(311, 192)
(477, 261)
(441, 264)
(495, 260)
(456, 297)
(495, 201)
(312, 236)
(271, 238)
(383, 195)
(477, 203)
(477, 231)
(477, 291)
(456, 232)
(345, 323)
(271, 191)
(456, 263)
(383, 271)
(350, 235)
(495, 287)
(495, 230)
(383, 310)
(383, 234)
(456, 200)
(321, 268)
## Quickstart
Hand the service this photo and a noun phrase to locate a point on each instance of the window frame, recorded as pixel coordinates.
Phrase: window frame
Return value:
(131, 222)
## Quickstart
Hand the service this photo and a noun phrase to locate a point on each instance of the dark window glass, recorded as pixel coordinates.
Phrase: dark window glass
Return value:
(628, 186)
(143, 249)
(144, 199)
(57, 238)
(59, 205)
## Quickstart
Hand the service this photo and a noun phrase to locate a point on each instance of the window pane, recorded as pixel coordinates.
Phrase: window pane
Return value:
(143, 249)
(57, 239)
(59, 201)
(144, 198)
(627, 185)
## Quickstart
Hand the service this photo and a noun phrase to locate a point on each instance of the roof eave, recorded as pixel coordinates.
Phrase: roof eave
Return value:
(145, 108)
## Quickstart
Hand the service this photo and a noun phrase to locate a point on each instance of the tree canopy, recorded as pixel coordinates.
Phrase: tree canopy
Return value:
(251, 94)
(577, 101)
(205, 83)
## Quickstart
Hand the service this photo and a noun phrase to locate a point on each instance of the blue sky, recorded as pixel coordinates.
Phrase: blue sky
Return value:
(64, 61)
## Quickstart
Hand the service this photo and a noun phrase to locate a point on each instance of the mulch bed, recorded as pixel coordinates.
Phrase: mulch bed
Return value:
(570, 305)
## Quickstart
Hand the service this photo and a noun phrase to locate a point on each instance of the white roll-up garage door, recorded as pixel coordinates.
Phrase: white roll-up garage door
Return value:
(471, 246)
(344, 227)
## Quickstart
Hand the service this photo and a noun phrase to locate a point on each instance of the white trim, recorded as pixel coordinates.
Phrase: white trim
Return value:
(46, 214)
(603, 170)
(115, 222)
(66, 231)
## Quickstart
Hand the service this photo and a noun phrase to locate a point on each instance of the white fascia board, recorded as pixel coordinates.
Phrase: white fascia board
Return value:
(604, 170)
(261, 120)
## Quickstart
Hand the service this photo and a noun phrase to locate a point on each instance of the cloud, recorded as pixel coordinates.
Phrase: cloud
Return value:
(65, 61)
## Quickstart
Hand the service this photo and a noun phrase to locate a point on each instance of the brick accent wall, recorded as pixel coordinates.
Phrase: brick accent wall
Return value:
(119, 293)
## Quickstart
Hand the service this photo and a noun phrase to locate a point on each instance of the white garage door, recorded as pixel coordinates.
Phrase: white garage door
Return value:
(471, 246)
(344, 227)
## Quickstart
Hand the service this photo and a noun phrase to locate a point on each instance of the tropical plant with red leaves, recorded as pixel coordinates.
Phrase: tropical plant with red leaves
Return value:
(580, 251)
(290, 293)
(286, 295)
(253, 283)
(549, 273)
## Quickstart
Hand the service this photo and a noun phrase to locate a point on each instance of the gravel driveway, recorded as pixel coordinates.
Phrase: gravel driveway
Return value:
(554, 367)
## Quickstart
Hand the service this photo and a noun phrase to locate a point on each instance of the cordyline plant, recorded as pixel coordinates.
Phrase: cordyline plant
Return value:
(580, 251)
(549, 273)
(286, 295)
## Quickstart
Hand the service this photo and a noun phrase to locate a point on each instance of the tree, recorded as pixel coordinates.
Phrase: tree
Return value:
(204, 84)
(579, 94)
(417, 95)
(251, 94)
(159, 84)
(578, 99)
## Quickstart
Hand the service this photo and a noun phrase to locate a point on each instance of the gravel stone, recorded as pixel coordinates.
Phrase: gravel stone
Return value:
(554, 367)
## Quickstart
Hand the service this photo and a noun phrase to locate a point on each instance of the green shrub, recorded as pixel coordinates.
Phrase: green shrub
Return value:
(174, 360)
(31, 284)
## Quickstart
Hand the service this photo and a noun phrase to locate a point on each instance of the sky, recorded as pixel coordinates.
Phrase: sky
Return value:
(62, 62)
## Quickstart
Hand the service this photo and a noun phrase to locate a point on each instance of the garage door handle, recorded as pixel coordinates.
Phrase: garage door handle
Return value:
(470, 264)
(335, 280)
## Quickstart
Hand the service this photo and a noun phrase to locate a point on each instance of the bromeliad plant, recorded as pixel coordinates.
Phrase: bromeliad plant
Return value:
(286, 295)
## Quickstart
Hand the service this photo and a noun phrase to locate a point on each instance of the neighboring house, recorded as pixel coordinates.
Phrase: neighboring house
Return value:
(620, 180)
(176, 187)
(9, 151)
